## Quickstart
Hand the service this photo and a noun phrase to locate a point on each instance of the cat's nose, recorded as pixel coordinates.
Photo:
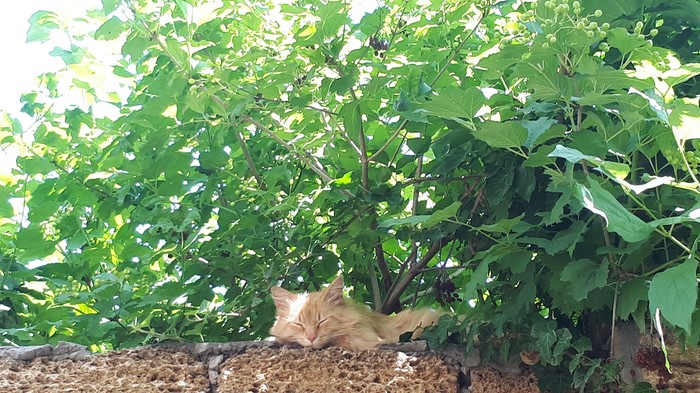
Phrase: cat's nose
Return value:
(311, 337)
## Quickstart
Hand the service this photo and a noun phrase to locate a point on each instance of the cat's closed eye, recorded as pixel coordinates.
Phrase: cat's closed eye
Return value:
(324, 320)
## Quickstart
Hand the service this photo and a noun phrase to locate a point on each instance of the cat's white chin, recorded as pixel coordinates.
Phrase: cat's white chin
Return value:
(318, 345)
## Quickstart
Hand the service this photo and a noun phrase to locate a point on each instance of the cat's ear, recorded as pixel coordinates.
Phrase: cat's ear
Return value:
(282, 298)
(334, 292)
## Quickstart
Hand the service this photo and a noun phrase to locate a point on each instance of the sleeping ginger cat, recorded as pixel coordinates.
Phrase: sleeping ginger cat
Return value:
(326, 318)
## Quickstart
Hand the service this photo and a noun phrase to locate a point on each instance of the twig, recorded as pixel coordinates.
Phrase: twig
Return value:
(416, 180)
(319, 171)
(249, 160)
(394, 297)
(614, 319)
(375, 287)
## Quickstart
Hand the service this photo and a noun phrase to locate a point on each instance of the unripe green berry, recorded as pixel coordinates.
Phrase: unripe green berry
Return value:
(639, 25)
(649, 43)
(641, 37)
(604, 46)
(653, 32)
(605, 26)
(576, 4)
(598, 13)
(602, 34)
(545, 45)
(590, 34)
(552, 40)
(580, 25)
(593, 26)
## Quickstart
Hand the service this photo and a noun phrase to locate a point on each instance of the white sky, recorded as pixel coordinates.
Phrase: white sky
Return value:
(24, 61)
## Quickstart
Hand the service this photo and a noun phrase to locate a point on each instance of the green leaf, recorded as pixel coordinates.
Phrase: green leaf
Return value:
(685, 121)
(525, 182)
(545, 336)
(41, 23)
(109, 6)
(617, 218)
(110, 30)
(563, 344)
(419, 145)
(402, 104)
(631, 293)
(567, 239)
(178, 55)
(195, 102)
(31, 241)
(453, 103)
(6, 210)
(613, 9)
(571, 155)
(505, 226)
(477, 280)
(644, 387)
(619, 38)
(352, 119)
(675, 292)
(342, 85)
(681, 74)
(535, 129)
(408, 221)
(510, 134)
(444, 214)
(585, 275)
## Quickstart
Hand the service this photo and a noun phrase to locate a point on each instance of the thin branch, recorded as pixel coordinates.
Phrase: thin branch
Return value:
(319, 171)
(375, 287)
(394, 297)
(614, 319)
(249, 160)
(383, 267)
(402, 269)
(414, 207)
(417, 180)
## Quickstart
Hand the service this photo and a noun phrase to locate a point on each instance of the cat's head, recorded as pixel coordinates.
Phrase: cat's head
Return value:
(309, 319)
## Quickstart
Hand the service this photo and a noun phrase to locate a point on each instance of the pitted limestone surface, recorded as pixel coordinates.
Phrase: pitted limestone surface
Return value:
(146, 370)
(257, 366)
(335, 370)
(488, 380)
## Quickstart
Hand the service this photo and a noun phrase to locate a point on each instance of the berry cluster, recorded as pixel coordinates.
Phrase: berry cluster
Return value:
(445, 291)
(653, 359)
(378, 44)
